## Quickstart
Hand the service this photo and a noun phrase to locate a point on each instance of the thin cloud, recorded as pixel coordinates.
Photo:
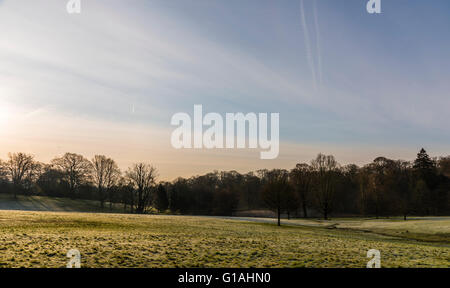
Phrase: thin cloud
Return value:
(309, 55)
(319, 56)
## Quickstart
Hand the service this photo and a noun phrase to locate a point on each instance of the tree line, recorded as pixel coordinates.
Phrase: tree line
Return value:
(74, 176)
(323, 187)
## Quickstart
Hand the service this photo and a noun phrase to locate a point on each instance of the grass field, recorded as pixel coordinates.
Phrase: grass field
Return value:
(43, 203)
(42, 239)
(427, 229)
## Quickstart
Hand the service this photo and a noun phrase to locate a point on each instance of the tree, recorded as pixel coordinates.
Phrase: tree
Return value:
(364, 189)
(420, 191)
(225, 201)
(19, 167)
(291, 201)
(105, 174)
(226, 192)
(325, 181)
(252, 187)
(423, 162)
(378, 184)
(179, 200)
(99, 175)
(275, 190)
(161, 201)
(32, 175)
(444, 166)
(51, 182)
(76, 170)
(112, 177)
(301, 179)
(425, 169)
(400, 183)
(127, 193)
(143, 177)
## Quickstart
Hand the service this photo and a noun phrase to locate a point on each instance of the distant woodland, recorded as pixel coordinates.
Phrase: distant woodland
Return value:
(322, 187)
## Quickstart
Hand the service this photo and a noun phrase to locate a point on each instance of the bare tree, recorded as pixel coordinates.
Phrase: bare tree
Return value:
(444, 166)
(127, 193)
(364, 183)
(325, 168)
(76, 170)
(276, 190)
(143, 178)
(3, 171)
(112, 178)
(33, 174)
(301, 179)
(98, 173)
(105, 174)
(19, 167)
(379, 188)
(161, 201)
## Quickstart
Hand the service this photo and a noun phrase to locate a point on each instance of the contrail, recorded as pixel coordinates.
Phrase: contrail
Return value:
(308, 44)
(319, 57)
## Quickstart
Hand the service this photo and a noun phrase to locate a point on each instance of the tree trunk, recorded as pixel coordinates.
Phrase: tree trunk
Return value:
(305, 212)
(110, 199)
(279, 216)
(100, 196)
(140, 202)
(72, 189)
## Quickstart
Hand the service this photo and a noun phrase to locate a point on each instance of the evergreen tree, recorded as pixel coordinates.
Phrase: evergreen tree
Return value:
(425, 169)
(423, 162)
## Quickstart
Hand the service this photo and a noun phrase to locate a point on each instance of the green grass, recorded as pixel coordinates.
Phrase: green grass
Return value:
(42, 239)
(429, 229)
(43, 203)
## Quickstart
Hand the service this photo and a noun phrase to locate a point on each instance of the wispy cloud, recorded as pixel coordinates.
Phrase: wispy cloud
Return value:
(132, 67)
(317, 29)
(309, 55)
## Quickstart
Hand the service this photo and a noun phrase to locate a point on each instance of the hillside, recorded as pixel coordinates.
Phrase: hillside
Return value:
(43, 203)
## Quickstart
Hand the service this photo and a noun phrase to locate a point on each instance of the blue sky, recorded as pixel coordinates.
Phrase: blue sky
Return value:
(338, 76)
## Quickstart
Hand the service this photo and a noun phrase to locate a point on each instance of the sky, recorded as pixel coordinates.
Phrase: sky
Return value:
(108, 80)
